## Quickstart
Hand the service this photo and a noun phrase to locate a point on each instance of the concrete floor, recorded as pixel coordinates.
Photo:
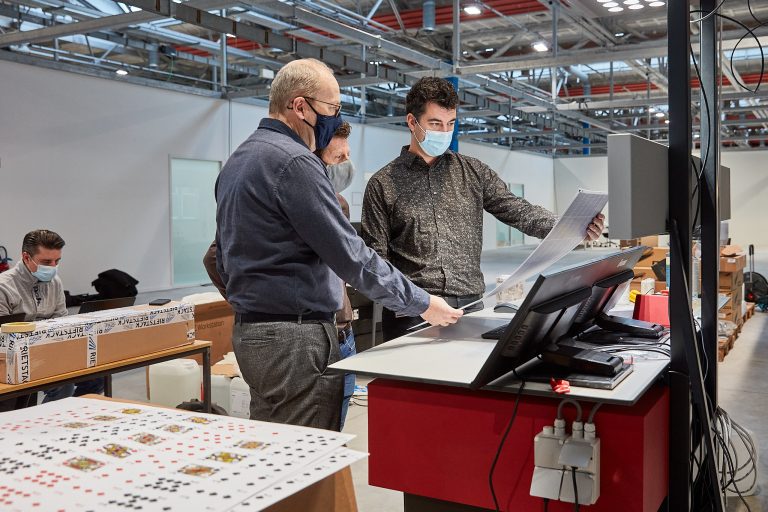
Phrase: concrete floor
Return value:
(741, 380)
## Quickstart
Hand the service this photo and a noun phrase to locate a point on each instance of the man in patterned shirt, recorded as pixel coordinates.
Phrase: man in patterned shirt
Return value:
(424, 210)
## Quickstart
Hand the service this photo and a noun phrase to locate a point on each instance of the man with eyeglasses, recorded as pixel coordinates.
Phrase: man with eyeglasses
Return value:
(424, 210)
(283, 242)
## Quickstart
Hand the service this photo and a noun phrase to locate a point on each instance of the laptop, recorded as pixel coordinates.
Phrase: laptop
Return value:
(101, 305)
(16, 317)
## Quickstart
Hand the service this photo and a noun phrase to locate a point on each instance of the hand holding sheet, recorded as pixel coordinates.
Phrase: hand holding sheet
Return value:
(567, 233)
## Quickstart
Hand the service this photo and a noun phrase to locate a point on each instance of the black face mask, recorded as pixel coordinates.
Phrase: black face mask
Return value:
(324, 128)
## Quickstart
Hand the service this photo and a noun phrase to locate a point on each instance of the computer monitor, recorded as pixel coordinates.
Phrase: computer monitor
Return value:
(100, 305)
(16, 317)
(550, 310)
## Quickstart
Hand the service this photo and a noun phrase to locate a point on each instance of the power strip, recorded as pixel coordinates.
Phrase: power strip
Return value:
(558, 455)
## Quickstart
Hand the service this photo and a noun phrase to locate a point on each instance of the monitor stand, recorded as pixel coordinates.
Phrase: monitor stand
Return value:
(583, 360)
(629, 326)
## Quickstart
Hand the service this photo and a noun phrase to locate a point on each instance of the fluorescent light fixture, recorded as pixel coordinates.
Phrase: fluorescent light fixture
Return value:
(659, 114)
(616, 9)
(651, 109)
(602, 1)
(666, 122)
(231, 35)
(610, 4)
(540, 46)
(121, 72)
(472, 9)
(631, 2)
(619, 34)
(656, 4)
(489, 49)
(635, 7)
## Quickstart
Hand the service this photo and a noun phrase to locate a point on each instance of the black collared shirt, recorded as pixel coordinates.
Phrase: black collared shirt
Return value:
(282, 238)
(428, 220)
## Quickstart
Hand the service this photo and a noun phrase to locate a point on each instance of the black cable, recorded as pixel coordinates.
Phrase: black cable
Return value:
(501, 444)
(752, 13)
(751, 32)
(575, 490)
(709, 14)
(546, 504)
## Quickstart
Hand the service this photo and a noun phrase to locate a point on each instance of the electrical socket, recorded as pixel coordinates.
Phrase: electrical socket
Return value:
(546, 449)
(587, 483)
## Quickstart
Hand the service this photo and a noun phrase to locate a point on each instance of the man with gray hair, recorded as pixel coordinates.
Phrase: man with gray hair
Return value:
(282, 245)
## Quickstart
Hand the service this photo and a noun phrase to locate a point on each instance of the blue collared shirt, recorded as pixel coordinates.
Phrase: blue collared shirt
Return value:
(282, 239)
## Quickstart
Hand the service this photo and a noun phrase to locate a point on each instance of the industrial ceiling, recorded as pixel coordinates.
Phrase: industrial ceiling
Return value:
(537, 75)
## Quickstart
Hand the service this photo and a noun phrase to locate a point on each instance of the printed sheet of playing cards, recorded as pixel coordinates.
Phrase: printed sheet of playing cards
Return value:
(97, 455)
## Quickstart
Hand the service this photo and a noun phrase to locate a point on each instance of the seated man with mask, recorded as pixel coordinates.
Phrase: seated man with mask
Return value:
(340, 171)
(33, 287)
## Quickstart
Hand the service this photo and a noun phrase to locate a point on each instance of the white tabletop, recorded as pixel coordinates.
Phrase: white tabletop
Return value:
(455, 354)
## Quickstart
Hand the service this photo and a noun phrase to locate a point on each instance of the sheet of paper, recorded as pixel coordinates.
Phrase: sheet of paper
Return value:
(567, 233)
(83, 454)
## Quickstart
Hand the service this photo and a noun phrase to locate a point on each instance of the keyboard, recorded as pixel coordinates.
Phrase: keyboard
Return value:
(495, 334)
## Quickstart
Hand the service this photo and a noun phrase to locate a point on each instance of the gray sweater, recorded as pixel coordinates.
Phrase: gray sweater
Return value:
(21, 292)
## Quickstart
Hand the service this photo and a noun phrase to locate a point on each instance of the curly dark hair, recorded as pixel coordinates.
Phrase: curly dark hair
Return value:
(430, 89)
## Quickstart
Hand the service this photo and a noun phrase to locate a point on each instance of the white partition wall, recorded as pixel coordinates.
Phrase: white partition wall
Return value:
(90, 159)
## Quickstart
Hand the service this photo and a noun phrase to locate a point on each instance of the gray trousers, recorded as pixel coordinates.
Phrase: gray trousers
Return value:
(285, 363)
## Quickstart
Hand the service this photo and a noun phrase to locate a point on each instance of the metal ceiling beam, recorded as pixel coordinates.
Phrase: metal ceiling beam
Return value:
(81, 27)
(357, 35)
(98, 22)
(146, 29)
(656, 48)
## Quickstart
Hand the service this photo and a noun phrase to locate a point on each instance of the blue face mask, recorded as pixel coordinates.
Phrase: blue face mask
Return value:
(324, 127)
(434, 143)
(44, 273)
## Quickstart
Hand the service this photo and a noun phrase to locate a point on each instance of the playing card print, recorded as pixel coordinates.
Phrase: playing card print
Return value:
(83, 464)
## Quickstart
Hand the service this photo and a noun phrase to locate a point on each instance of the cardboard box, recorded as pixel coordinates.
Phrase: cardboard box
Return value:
(650, 241)
(214, 322)
(77, 342)
(632, 242)
(733, 263)
(729, 281)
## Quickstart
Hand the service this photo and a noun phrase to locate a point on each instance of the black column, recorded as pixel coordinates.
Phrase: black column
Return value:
(680, 188)
(709, 66)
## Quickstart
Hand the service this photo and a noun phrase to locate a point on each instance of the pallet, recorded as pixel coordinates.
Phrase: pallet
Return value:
(722, 349)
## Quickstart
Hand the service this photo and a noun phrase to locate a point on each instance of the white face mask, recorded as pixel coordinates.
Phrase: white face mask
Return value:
(435, 143)
(341, 175)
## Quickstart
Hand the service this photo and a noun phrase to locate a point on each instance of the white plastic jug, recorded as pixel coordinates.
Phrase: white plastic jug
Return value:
(240, 399)
(220, 391)
(173, 382)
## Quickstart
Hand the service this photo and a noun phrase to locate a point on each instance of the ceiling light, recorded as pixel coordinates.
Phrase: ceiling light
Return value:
(615, 9)
(659, 114)
(602, 1)
(651, 109)
(540, 46)
(631, 2)
(666, 122)
(121, 72)
(656, 4)
(635, 7)
(611, 4)
(472, 9)
(231, 35)
(619, 34)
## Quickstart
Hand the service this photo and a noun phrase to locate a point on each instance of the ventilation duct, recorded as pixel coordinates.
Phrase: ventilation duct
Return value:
(428, 16)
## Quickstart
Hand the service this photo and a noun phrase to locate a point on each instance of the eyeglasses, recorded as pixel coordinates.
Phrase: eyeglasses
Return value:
(336, 106)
